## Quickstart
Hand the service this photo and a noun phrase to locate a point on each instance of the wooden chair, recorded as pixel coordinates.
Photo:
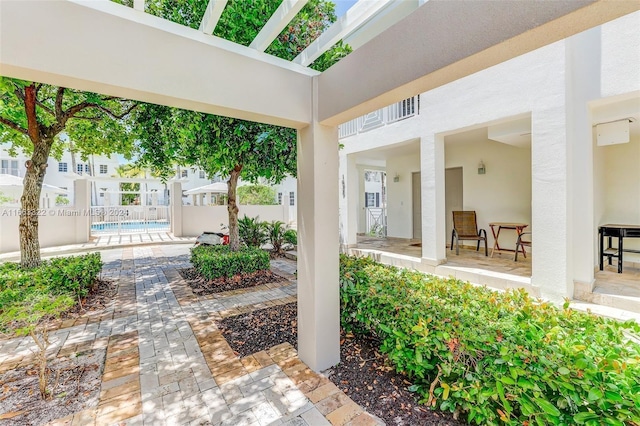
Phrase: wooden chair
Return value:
(465, 227)
(521, 243)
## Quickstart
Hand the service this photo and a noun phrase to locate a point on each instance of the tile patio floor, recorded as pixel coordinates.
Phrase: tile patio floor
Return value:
(168, 364)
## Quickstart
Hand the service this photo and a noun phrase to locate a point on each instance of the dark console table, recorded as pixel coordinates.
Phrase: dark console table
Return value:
(620, 232)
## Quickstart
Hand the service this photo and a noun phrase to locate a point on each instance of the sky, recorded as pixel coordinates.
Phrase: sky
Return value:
(342, 6)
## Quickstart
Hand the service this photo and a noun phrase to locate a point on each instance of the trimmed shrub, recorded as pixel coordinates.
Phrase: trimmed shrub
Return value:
(219, 261)
(72, 276)
(495, 357)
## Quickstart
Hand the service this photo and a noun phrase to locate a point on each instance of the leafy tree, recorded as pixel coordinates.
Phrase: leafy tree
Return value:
(229, 146)
(33, 116)
(257, 195)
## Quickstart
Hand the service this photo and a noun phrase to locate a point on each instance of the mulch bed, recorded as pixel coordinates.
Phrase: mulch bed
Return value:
(259, 330)
(363, 373)
(74, 385)
(203, 286)
(100, 297)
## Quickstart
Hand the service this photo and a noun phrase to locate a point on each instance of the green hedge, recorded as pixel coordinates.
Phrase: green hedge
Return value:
(218, 261)
(29, 295)
(495, 358)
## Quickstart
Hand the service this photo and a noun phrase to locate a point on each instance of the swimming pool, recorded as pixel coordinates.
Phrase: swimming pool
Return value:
(130, 226)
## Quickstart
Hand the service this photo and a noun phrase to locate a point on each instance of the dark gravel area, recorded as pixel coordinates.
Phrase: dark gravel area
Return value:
(363, 373)
(259, 330)
(202, 286)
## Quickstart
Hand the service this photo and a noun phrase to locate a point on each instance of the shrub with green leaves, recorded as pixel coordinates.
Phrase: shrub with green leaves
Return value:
(495, 357)
(69, 276)
(219, 261)
(291, 237)
(252, 231)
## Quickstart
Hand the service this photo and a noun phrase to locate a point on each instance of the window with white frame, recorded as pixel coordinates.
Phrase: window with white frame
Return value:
(87, 169)
(63, 167)
(103, 169)
(79, 168)
(279, 197)
(184, 173)
(292, 198)
(372, 199)
(202, 174)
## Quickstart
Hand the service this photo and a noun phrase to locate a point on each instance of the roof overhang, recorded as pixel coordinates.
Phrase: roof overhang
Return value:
(446, 40)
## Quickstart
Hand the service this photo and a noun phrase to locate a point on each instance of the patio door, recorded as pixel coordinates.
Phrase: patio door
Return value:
(453, 195)
(417, 205)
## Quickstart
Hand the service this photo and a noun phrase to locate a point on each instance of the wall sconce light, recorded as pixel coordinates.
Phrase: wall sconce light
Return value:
(396, 178)
(481, 168)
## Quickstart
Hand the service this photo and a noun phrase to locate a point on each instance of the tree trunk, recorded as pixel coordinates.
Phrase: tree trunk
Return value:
(232, 208)
(30, 204)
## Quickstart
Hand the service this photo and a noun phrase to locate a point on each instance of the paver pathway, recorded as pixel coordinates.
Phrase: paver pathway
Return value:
(168, 364)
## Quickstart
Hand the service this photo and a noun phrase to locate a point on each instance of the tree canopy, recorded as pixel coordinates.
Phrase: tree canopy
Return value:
(222, 145)
(33, 116)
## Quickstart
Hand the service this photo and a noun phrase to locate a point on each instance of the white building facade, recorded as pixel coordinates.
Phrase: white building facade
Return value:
(518, 142)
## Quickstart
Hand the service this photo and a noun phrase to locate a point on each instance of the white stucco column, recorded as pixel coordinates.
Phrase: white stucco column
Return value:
(583, 65)
(318, 244)
(433, 210)
(349, 200)
(82, 203)
(552, 261)
(175, 207)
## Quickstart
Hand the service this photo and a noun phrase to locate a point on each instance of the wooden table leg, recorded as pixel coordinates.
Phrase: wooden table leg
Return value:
(519, 232)
(496, 246)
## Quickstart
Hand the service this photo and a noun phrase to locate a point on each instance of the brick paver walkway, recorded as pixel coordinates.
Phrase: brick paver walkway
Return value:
(168, 364)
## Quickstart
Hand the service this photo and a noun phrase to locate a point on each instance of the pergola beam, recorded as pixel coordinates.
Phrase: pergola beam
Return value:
(353, 19)
(138, 5)
(443, 41)
(212, 15)
(140, 56)
(287, 10)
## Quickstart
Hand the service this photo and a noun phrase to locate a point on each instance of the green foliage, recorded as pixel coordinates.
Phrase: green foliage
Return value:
(261, 195)
(62, 200)
(97, 124)
(498, 358)
(253, 233)
(219, 261)
(4, 199)
(29, 296)
(275, 233)
(291, 237)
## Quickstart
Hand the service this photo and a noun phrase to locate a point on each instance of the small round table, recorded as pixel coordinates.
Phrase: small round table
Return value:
(518, 227)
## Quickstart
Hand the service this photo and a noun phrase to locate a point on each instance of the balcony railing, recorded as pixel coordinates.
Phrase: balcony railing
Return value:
(387, 115)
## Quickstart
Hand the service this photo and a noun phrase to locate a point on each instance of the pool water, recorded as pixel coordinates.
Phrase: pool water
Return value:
(139, 225)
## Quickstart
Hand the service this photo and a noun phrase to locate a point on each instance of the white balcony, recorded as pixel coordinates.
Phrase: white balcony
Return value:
(395, 112)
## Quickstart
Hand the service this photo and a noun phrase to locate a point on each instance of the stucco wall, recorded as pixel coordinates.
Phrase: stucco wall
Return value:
(620, 47)
(197, 219)
(399, 199)
(54, 229)
(503, 194)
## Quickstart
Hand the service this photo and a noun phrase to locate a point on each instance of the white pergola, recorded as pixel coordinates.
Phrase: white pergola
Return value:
(104, 47)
